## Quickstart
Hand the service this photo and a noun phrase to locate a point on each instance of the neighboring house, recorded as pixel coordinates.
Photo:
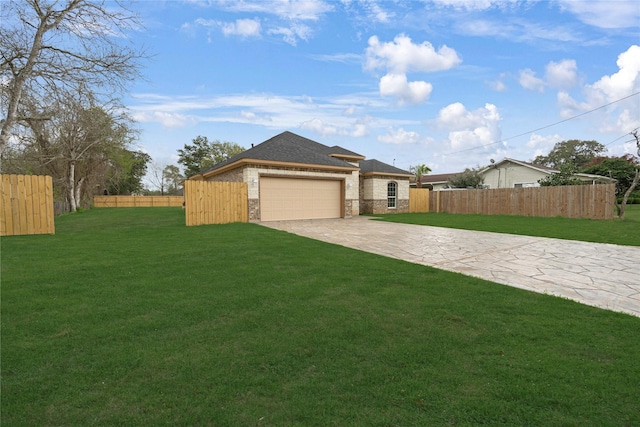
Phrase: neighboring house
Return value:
(511, 173)
(292, 177)
(434, 182)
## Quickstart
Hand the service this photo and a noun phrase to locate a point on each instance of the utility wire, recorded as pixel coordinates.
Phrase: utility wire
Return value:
(548, 126)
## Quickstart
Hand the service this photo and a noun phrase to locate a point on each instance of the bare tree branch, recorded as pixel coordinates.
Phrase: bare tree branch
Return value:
(47, 44)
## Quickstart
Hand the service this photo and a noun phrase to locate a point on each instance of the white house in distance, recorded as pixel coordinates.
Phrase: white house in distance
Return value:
(511, 173)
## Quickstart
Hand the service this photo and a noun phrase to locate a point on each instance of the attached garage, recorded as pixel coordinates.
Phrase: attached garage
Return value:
(300, 198)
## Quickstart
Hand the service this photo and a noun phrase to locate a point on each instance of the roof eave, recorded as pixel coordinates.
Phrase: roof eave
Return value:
(347, 156)
(248, 161)
(399, 175)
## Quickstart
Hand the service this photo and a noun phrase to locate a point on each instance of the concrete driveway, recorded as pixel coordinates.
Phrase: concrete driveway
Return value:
(596, 274)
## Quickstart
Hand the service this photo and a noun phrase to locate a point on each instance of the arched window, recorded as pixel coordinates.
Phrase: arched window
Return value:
(392, 194)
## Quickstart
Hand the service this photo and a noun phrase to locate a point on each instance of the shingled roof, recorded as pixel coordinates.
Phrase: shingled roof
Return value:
(288, 147)
(374, 166)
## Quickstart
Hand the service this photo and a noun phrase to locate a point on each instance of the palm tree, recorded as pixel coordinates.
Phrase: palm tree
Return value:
(419, 171)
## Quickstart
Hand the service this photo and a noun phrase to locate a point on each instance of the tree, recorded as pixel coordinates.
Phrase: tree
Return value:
(573, 152)
(165, 180)
(174, 179)
(47, 45)
(79, 143)
(622, 169)
(129, 168)
(634, 183)
(566, 176)
(470, 178)
(625, 170)
(203, 154)
(419, 171)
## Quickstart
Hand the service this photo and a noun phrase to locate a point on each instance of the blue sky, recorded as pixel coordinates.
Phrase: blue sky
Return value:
(451, 84)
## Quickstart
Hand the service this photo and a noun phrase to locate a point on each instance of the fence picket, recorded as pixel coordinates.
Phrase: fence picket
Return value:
(576, 201)
(27, 205)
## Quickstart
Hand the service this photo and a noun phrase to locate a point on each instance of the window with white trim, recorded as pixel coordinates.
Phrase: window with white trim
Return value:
(392, 194)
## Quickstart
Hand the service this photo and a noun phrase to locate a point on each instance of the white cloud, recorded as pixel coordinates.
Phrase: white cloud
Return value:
(519, 30)
(242, 28)
(399, 136)
(497, 85)
(293, 33)
(402, 56)
(528, 80)
(542, 144)
(561, 74)
(304, 10)
(468, 129)
(167, 120)
(608, 89)
(319, 127)
(468, 4)
(625, 81)
(406, 92)
(350, 110)
(605, 14)
(375, 12)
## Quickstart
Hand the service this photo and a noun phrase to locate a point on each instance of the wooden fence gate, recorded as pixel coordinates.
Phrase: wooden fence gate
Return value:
(26, 205)
(418, 200)
(210, 202)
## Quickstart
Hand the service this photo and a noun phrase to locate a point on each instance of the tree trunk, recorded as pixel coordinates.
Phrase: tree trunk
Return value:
(633, 186)
(78, 192)
(71, 187)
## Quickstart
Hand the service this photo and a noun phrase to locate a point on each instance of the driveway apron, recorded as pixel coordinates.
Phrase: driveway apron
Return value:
(595, 274)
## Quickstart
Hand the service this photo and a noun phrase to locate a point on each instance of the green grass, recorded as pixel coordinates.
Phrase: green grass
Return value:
(127, 317)
(619, 232)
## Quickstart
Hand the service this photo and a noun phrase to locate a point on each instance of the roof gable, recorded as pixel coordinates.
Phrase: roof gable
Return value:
(376, 167)
(539, 168)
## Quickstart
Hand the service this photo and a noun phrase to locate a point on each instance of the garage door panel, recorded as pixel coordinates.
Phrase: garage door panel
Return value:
(292, 198)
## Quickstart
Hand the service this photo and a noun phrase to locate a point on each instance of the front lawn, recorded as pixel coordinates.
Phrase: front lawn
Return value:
(127, 317)
(619, 232)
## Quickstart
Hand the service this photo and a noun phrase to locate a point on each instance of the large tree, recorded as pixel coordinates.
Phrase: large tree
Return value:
(173, 179)
(82, 145)
(470, 178)
(165, 180)
(622, 169)
(573, 152)
(566, 176)
(49, 45)
(203, 154)
(127, 172)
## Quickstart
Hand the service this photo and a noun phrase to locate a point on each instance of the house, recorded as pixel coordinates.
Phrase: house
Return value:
(436, 181)
(292, 177)
(511, 173)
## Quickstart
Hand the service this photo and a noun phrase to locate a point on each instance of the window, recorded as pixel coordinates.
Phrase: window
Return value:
(392, 192)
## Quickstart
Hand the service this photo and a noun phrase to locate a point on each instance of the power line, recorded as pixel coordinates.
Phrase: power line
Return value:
(548, 126)
(623, 136)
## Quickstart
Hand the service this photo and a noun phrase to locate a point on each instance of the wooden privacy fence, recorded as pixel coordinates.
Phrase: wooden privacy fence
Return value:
(208, 202)
(136, 201)
(418, 200)
(26, 205)
(571, 201)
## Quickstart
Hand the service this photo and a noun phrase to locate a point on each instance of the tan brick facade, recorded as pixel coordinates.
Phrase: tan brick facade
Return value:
(373, 195)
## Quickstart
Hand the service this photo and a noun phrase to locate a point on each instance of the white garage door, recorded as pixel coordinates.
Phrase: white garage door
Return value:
(294, 198)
